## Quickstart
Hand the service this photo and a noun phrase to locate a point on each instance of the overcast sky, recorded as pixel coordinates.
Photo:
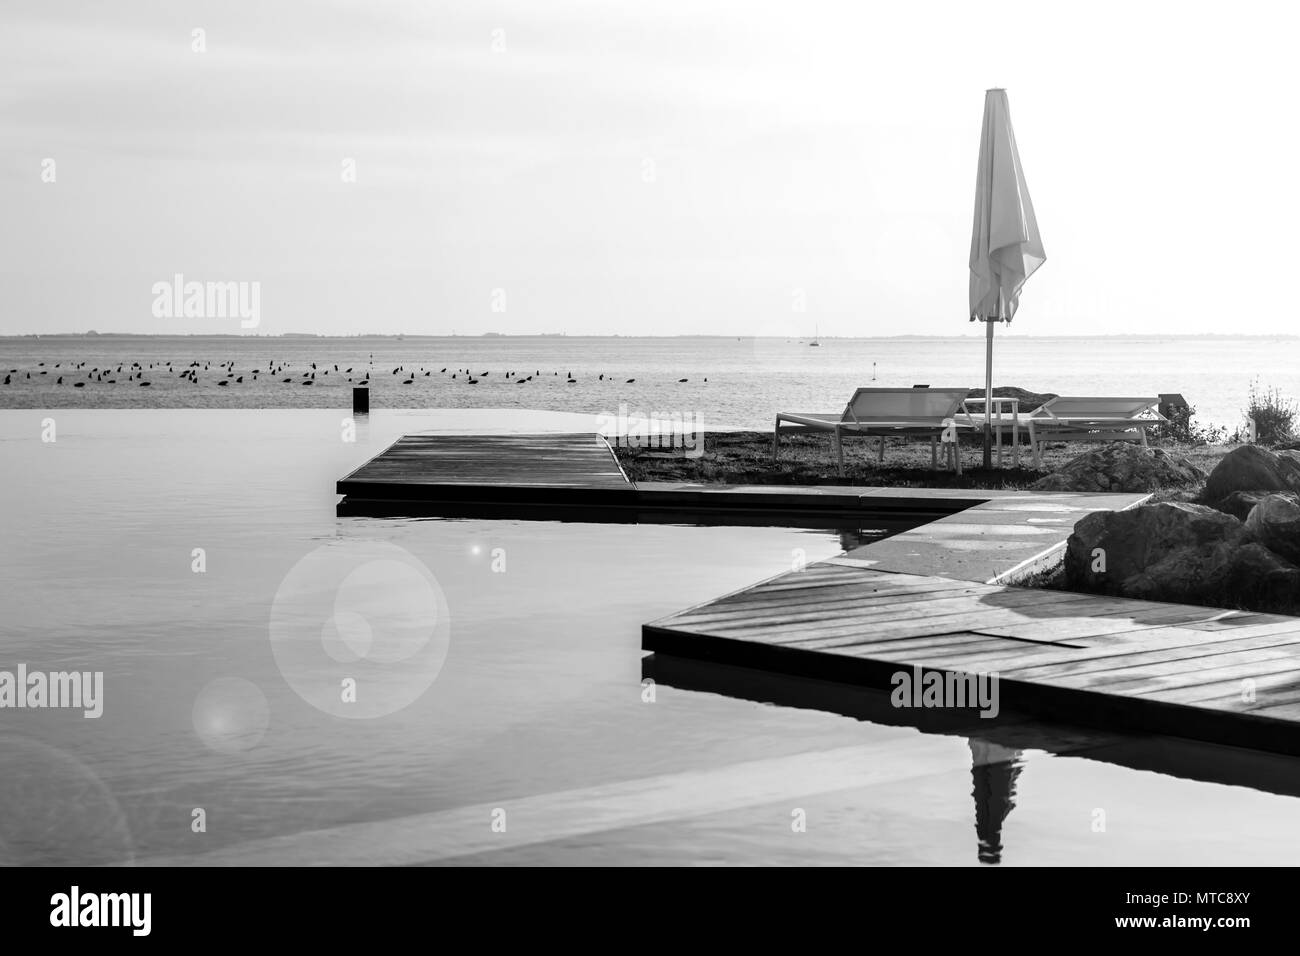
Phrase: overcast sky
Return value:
(642, 168)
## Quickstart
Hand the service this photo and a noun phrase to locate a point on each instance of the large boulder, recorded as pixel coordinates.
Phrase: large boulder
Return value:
(1178, 552)
(1251, 468)
(1122, 466)
(1275, 523)
(1232, 575)
(1130, 541)
(1240, 503)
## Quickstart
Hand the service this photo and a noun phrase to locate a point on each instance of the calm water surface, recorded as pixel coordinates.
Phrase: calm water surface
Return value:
(538, 708)
(730, 382)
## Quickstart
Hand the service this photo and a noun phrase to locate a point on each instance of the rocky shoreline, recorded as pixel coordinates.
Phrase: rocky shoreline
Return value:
(1233, 544)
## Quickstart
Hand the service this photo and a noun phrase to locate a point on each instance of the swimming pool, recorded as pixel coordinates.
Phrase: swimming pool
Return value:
(176, 551)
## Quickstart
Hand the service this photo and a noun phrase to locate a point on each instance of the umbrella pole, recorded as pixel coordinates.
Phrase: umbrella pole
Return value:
(988, 393)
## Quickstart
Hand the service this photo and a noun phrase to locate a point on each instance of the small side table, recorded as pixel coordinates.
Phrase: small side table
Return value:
(1000, 406)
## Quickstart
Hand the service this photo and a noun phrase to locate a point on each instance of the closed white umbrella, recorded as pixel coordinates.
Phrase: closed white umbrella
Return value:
(1005, 248)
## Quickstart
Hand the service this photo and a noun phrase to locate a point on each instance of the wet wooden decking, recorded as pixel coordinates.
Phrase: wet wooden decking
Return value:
(547, 468)
(1210, 674)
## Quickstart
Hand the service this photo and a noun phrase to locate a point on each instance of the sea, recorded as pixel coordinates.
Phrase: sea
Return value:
(724, 382)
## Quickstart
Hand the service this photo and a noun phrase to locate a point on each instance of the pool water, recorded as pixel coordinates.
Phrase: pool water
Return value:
(195, 558)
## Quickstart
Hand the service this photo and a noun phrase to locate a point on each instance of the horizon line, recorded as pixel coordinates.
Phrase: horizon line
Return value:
(619, 335)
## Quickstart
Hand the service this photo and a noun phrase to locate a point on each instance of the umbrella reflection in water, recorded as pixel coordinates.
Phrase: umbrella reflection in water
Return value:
(994, 769)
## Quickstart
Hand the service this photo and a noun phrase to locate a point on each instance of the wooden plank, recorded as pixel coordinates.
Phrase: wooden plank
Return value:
(846, 600)
(973, 658)
(1160, 681)
(962, 614)
(1187, 671)
(1289, 710)
(1188, 643)
(957, 646)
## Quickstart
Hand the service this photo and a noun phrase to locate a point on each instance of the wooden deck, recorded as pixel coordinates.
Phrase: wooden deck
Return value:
(1227, 677)
(939, 596)
(548, 468)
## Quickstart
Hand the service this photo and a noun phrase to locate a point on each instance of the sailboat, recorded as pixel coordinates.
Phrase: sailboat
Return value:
(814, 341)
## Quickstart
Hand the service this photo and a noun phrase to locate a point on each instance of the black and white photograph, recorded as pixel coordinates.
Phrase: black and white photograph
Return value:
(686, 434)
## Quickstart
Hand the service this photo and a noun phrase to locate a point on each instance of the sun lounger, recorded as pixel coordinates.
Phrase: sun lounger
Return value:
(1071, 418)
(883, 413)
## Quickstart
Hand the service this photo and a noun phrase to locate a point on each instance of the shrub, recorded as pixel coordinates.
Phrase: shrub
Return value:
(1273, 414)
(1180, 428)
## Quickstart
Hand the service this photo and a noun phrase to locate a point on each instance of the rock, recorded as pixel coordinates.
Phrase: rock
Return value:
(1137, 538)
(1183, 553)
(1251, 468)
(1232, 575)
(1239, 503)
(1029, 401)
(1122, 466)
(1275, 523)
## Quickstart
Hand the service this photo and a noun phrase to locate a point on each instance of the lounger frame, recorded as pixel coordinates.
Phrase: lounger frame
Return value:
(855, 420)
(1092, 418)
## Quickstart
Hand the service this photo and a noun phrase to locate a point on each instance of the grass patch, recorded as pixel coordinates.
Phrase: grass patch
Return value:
(745, 458)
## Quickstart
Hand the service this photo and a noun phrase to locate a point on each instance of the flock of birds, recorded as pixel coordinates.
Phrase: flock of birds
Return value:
(142, 376)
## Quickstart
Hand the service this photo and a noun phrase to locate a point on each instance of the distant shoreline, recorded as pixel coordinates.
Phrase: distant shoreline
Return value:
(491, 336)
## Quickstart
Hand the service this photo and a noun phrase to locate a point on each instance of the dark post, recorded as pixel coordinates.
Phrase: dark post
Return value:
(360, 401)
(1179, 413)
(988, 387)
